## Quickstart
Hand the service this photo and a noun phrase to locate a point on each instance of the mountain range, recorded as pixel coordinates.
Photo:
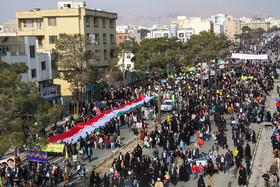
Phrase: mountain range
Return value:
(165, 17)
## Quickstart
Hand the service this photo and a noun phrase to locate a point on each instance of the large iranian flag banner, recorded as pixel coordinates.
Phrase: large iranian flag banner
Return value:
(81, 129)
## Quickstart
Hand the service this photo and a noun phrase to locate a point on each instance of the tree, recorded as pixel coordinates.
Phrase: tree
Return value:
(204, 47)
(143, 33)
(153, 55)
(246, 29)
(76, 64)
(128, 46)
(23, 113)
(113, 74)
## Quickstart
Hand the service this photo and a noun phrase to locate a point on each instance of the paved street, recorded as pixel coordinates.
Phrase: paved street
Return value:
(264, 156)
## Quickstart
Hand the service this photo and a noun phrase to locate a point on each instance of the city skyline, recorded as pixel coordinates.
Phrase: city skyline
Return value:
(145, 7)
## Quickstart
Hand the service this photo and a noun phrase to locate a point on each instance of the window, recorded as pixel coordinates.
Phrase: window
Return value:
(52, 39)
(33, 73)
(181, 35)
(39, 24)
(3, 50)
(87, 21)
(67, 5)
(97, 55)
(128, 55)
(112, 39)
(104, 39)
(97, 39)
(120, 37)
(104, 23)
(96, 22)
(112, 23)
(52, 21)
(40, 41)
(28, 23)
(43, 65)
(105, 54)
(32, 51)
(112, 53)
(53, 64)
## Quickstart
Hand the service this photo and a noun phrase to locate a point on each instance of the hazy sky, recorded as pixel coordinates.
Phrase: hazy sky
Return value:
(8, 8)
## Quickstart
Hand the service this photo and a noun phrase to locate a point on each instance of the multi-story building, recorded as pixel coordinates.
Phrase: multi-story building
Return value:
(257, 23)
(273, 21)
(122, 28)
(196, 23)
(41, 66)
(173, 31)
(9, 26)
(121, 37)
(71, 17)
(232, 28)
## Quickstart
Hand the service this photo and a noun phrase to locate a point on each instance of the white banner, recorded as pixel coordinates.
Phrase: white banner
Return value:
(249, 56)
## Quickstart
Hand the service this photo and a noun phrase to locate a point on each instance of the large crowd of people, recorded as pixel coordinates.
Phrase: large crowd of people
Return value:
(238, 91)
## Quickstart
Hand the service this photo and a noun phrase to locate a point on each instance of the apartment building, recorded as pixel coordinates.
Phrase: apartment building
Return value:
(257, 24)
(198, 24)
(41, 66)
(183, 34)
(71, 17)
(232, 28)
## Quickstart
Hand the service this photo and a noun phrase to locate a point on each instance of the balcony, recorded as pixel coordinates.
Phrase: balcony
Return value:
(30, 29)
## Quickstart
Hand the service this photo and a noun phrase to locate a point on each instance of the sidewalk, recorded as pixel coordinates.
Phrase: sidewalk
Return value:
(264, 156)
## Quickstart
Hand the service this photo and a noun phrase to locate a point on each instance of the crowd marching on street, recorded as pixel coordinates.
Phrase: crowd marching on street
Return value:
(239, 91)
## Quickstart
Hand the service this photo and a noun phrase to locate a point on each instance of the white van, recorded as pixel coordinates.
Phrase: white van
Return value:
(167, 105)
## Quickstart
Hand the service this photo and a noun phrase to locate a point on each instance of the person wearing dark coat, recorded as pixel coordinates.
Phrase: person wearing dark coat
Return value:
(106, 181)
(240, 150)
(183, 172)
(144, 180)
(173, 174)
(200, 181)
(248, 151)
(163, 171)
(126, 160)
(242, 176)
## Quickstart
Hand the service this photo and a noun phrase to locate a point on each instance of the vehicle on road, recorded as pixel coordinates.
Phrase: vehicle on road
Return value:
(167, 105)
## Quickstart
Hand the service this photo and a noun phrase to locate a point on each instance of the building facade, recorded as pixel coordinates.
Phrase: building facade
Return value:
(183, 34)
(46, 25)
(41, 67)
(121, 37)
(232, 28)
(71, 17)
(196, 23)
(257, 24)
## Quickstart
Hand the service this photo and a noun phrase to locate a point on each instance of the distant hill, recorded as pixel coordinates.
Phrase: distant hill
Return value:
(148, 19)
